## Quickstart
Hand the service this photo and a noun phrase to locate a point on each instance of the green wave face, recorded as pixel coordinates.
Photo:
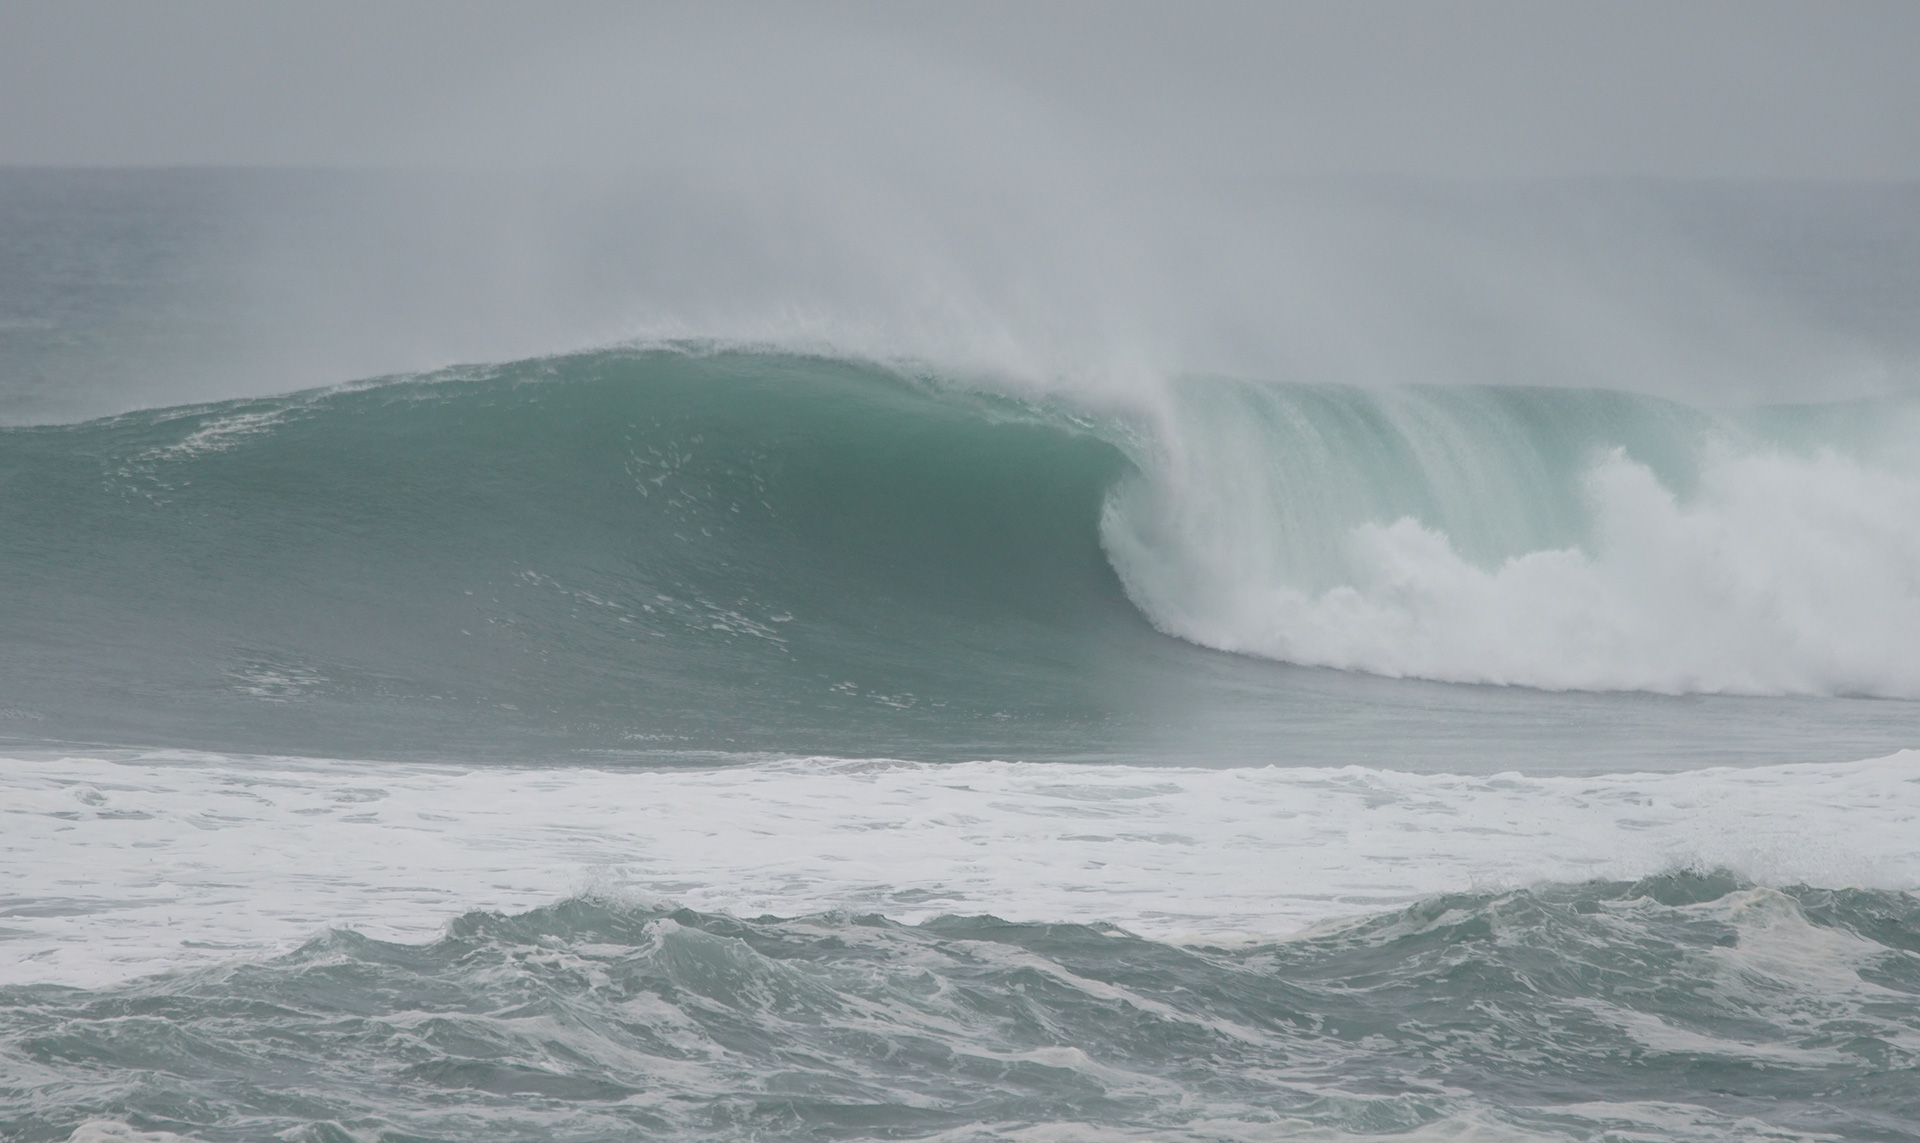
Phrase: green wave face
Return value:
(666, 551)
(730, 552)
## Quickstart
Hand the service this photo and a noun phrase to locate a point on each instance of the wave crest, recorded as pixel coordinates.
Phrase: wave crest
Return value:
(721, 550)
(1449, 537)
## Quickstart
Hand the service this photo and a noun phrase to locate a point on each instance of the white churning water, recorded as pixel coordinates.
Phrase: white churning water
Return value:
(133, 864)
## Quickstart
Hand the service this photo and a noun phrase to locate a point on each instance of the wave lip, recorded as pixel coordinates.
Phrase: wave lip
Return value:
(1564, 541)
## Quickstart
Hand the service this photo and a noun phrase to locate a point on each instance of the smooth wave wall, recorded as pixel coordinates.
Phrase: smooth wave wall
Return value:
(643, 547)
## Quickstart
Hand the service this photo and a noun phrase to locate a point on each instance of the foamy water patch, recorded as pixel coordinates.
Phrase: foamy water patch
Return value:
(120, 866)
(1777, 574)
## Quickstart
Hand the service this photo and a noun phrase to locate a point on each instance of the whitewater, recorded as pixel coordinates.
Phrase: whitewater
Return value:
(253, 855)
(818, 947)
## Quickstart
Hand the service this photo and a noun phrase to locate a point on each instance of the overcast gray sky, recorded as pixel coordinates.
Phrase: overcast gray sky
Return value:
(1688, 89)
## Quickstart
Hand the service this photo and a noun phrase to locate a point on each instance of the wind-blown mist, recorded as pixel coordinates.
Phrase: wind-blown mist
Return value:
(263, 282)
(832, 182)
(813, 182)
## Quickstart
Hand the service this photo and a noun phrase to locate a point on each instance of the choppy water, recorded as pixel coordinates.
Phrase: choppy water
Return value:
(955, 950)
(1680, 1007)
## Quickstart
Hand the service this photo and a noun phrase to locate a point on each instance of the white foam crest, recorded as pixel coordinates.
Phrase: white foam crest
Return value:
(113, 1131)
(222, 433)
(119, 866)
(1778, 574)
(1473, 1127)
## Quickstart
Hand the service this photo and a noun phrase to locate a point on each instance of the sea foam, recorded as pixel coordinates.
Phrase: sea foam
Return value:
(191, 859)
(1579, 542)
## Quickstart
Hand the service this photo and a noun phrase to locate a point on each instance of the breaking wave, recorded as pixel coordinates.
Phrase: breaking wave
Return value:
(733, 550)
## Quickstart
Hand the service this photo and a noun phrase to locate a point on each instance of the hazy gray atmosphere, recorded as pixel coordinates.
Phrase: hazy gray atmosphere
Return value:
(1369, 193)
(1467, 90)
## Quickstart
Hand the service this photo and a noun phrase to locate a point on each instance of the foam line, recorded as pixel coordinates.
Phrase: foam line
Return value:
(120, 866)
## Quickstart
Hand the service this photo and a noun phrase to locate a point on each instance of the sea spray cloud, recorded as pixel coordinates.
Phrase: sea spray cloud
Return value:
(1060, 202)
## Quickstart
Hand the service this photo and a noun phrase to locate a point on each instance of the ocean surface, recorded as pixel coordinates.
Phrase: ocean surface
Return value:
(756, 737)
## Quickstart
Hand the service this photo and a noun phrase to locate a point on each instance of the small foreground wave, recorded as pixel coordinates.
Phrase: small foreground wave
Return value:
(1684, 1007)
